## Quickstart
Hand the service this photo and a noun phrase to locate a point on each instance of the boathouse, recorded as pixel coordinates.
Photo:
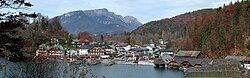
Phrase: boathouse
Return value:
(158, 62)
(191, 62)
(238, 58)
(173, 64)
(217, 68)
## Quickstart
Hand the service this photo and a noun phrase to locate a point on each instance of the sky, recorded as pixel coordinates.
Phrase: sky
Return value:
(144, 10)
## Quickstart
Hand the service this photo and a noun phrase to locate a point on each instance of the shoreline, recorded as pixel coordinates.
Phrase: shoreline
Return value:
(145, 63)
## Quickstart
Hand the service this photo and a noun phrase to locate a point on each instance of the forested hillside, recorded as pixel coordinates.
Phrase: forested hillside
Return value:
(217, 32)
(40, 31)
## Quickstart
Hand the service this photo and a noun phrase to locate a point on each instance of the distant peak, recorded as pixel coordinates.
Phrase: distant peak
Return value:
(130, 17)
(103, 9)
(75, 11)
(98, 10)
(72, 13)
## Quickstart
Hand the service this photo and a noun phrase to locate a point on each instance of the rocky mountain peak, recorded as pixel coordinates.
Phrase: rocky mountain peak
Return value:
(98, 12)
(130, 19)
(98, 21)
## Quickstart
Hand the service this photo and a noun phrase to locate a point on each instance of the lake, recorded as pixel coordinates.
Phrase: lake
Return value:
(51, 69)
(133, 71)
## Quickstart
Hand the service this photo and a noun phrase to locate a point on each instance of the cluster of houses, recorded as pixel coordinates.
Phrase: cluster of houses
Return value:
(93, 50)
(191, 61)
(54, 51)
(57, 51)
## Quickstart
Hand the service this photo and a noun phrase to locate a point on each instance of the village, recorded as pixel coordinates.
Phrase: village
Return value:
(192, 63)
(125, 39)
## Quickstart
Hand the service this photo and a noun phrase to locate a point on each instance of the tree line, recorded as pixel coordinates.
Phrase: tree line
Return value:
(21, 33)
(217, 32)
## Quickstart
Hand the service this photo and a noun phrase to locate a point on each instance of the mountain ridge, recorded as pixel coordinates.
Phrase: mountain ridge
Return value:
(98, 21)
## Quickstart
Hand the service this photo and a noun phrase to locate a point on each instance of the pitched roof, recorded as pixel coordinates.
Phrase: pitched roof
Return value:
(166, 50)
(112, 46)
(58, 46)
(152, 46)
(163, 50)
(44, 46)
(121, 44)
(166, 57)
(188, 53)
(193, 61)
(75, 40)
(247, 59)
(85, 47)
(101, 46)
(139, 49)
(218, 65)
(238, 58)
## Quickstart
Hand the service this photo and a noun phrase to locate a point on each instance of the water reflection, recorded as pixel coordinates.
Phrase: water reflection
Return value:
(133, 71)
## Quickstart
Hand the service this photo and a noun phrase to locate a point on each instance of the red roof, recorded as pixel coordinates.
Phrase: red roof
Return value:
(247, 59)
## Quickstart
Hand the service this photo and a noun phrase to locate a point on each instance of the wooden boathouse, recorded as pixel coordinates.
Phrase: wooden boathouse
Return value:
(217, 68)
(159, 62)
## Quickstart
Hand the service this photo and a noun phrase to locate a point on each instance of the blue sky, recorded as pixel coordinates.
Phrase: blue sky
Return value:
(143, 10)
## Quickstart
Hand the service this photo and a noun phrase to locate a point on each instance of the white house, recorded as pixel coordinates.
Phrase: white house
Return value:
(151, 48)
(72, 53)
(127, 48)
(120, 49)
(104, 56)
(84, 50)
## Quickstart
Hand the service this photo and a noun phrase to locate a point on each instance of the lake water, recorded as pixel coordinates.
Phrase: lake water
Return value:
(133, 71)
(65, 70)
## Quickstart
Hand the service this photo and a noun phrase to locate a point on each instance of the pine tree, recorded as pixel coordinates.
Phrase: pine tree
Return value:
(10, 25)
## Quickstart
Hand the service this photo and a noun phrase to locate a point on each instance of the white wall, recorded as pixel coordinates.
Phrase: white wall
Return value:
(127, 47)
(150, 49)
(247, 66)
(83, 51)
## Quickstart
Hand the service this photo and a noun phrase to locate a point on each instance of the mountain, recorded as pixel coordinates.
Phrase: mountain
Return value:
(174, 24)
(98, 21)
(216, 32)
